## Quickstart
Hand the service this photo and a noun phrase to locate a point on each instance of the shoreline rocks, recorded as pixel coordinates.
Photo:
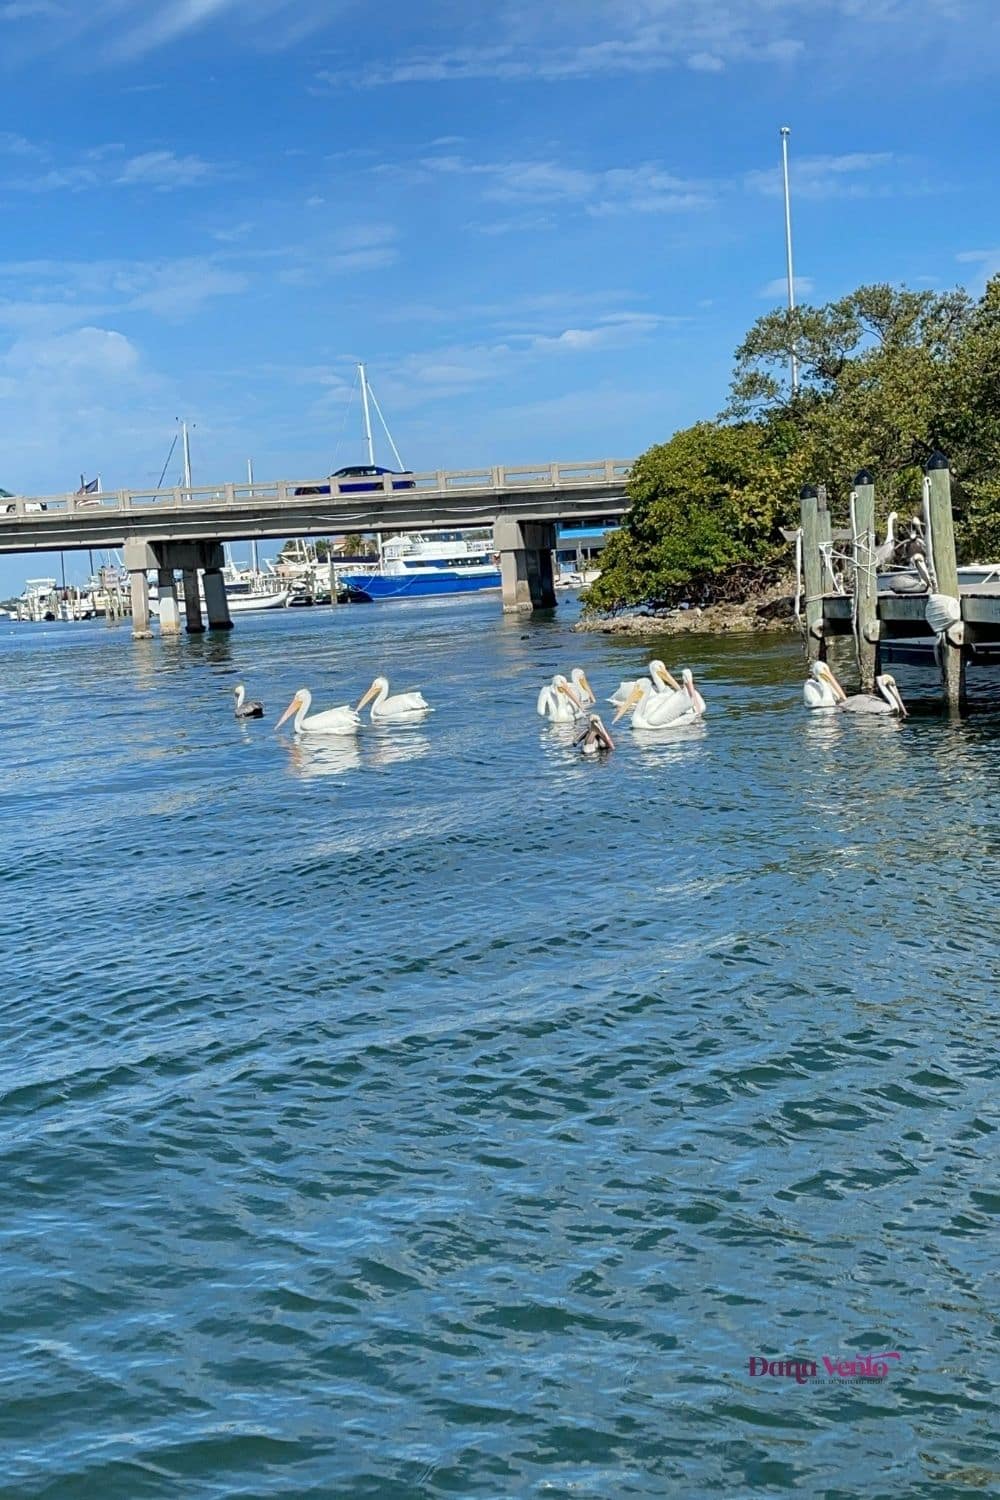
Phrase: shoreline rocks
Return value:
(771, 609)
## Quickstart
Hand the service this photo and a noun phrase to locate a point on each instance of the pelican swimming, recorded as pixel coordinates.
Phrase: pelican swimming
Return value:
(342, 720)
(653, 710)
(246, 708)
(558, 701)
(595, 739)
(822, 690)
(399, 706)
(659, 676)
(886, 701)
(687, 681)
(584, 691)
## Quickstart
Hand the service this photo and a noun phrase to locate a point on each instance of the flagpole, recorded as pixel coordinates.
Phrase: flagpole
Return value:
(253, 544)
(785, 133)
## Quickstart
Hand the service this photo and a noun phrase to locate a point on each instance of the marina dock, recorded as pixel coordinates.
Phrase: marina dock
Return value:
(953, 621)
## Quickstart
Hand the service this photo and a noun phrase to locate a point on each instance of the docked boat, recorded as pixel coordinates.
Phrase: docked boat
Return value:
(421, 565)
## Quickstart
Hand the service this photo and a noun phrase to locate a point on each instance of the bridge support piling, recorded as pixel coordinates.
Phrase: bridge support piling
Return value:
(166, 588)
(139, 589)
(216, 603)
(193, 622)
(526, 578)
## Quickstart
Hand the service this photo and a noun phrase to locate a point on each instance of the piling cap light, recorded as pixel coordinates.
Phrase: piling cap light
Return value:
(808, 492)
(936, 461)
(863, 476)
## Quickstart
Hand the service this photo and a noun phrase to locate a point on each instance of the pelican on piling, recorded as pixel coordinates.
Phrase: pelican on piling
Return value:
(558, 701)
(886, 701)
(822, 690)
(659, 676)
(246, 708)
(399, 706)
(342, 720)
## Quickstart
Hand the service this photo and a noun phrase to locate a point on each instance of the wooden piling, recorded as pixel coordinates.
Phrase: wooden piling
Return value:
(865, 584)
(942, 529)
(825, 535)
(812, 572)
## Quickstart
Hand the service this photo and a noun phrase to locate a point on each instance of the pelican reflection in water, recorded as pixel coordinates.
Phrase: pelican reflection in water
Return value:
(313, 756)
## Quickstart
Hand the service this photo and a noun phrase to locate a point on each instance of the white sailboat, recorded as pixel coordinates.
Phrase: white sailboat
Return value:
(246, 588)
(413, 565)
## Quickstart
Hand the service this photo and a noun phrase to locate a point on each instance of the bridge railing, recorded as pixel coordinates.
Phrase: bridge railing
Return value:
(497, 480)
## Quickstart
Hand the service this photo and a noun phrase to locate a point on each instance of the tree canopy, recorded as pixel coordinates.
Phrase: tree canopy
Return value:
(886, 377)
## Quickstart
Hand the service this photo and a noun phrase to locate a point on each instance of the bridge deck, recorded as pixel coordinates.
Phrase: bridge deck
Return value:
(232, 512)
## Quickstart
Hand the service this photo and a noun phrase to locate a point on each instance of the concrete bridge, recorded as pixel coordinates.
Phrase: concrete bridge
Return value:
(184, 529)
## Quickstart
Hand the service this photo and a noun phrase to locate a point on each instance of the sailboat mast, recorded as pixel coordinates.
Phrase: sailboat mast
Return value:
(368, 417)
(255, 567)
(186, 448)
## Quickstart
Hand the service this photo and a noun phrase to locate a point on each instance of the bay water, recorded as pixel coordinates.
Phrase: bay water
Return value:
(443, 1114)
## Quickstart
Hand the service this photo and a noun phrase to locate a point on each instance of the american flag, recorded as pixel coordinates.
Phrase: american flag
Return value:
(88, 489)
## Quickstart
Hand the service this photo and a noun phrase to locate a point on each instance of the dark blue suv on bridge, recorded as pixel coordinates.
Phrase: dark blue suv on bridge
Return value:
(368, 477)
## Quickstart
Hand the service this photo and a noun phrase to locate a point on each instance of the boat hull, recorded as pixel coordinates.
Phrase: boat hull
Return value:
(428, 585)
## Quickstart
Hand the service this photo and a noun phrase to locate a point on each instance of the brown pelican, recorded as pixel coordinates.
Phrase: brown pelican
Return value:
(886, 701)
(400, 706)
(595, 739)
(822, 690)
(341, 720)
(916, 582)
(246, 708)
(558, 701)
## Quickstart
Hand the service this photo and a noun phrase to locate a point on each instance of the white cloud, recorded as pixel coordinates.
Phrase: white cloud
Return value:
(779, 287)
(706, 62)
(28, 10)
(988, 263)
(853, 174)
(102, 166)
(164, 170)
(95, 353)
(63, 292)
(646, 188)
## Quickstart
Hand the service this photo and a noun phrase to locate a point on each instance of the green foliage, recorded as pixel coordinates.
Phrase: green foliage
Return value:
(707, 508)
(886, 377)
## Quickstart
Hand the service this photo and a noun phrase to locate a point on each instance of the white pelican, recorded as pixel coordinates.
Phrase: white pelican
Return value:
(652, 710)
(558, 701)
(659, 676)
(342, 720)
(399, 706)
(246, 708)
(886, 552)
(822, 690)
(886, 701)
(584, 691)
(595, 739)
(688, 681)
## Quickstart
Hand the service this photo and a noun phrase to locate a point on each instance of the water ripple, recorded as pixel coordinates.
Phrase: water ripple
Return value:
(439, 1114)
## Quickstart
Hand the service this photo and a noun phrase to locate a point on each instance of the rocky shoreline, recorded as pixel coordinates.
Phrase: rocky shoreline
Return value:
(771, 609)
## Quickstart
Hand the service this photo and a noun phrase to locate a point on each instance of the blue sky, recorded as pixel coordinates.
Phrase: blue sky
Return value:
(545, 228)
